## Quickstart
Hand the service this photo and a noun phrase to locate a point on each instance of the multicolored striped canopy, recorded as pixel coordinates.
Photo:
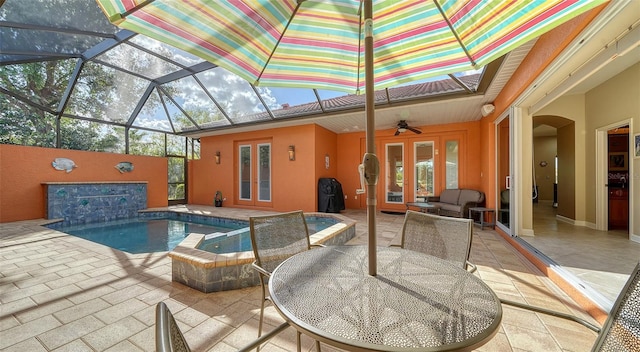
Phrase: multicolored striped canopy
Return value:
(330, 44)
(319, 43)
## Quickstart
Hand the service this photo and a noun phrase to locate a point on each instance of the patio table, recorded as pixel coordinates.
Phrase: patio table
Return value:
(416, 302)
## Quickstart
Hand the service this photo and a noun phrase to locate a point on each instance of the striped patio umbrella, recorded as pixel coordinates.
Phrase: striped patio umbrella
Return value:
(334, 44)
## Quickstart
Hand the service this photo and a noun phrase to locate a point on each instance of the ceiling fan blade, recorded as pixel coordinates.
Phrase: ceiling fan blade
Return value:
(397, 133)
(414, 130)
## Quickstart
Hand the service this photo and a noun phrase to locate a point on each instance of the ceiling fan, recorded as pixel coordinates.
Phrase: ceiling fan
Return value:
(403, 127)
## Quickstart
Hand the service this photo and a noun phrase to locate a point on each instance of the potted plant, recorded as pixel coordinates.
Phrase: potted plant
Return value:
(217, 201)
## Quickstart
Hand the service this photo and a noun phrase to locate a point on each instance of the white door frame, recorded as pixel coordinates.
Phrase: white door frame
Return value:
(601, 163)
(496, 125)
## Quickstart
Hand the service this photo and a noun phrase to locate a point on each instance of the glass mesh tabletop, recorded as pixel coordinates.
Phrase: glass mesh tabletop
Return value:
(415, 303)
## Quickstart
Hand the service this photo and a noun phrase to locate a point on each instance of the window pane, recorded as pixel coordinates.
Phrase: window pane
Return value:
(424, 170)
(193, 149)
(85, 135)
(236, 97)
(23, 124)
(132, 59)
(174, 54)
(176, 191)
(395, 173)
(42, 83)
(176, 170)
(452, 164)
(153, 115)
(245, 172)
(105, 93)
(143, 142)
(176, 145)
(264, 172)
(195, 102)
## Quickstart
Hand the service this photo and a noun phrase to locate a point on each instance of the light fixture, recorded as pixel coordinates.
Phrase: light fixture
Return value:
(487, 109)
(292, 152)
(218, 157)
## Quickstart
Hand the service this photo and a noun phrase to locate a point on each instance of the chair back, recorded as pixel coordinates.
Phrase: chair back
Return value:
(169, 338)
(275, 238)
(621, 330)
(504, 198)
(443, 237)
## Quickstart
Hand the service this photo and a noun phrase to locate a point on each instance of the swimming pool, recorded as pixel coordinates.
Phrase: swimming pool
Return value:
(141, 235)
(163, 232)
(208, 271)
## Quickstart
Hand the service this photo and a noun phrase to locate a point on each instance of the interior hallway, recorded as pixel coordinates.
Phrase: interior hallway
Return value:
(602, 260)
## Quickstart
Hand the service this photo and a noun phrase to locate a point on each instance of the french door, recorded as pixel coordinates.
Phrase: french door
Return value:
(253, 173)
(408, 172)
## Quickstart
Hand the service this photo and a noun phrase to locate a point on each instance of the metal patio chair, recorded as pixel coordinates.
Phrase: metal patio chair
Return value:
(440, 236)
(621, 330)
(275, 238)
(169, 338)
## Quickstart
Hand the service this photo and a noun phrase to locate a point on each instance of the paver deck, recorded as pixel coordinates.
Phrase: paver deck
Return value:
(62, 293)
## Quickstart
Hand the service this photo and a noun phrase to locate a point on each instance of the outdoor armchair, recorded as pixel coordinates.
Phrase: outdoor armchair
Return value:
(275, 238)
(169, 337)
(440, 236)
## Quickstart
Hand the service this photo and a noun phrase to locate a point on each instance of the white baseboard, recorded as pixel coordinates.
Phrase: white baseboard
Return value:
(576, 222)
(527, 232)
(634, 238)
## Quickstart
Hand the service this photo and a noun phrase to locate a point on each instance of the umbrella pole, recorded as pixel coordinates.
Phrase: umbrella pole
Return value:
(370, 134)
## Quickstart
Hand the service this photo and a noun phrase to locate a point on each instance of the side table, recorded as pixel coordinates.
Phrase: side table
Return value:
(483, 214)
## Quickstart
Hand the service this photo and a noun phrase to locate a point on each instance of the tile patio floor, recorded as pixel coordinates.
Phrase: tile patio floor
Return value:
(62, 293)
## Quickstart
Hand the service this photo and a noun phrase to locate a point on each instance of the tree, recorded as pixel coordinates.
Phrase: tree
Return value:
(43, 84)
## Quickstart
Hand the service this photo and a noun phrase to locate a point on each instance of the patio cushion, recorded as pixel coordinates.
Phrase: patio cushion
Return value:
(450, 207)
(456, 202)
(468, 195)
(449, 196)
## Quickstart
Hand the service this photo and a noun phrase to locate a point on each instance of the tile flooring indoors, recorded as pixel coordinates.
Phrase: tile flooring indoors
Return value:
(601, 261)
(62, 293)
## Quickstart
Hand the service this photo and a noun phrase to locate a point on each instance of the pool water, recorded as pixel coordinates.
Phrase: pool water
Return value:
(240, 240)
(141, 235)
(148, 235)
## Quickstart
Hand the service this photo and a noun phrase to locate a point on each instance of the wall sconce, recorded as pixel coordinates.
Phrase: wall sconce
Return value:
(218, 157)
(292, 152)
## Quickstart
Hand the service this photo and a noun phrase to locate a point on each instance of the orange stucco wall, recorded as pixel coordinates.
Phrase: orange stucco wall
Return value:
(24, 169)
(326, 144)
(293, 182)
(546, 49)
(351, 150)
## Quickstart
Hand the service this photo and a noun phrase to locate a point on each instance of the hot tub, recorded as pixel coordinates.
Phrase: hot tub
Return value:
(206, 271)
